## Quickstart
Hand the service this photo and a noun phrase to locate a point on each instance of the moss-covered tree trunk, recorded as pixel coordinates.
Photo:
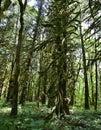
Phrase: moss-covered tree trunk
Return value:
(14, 102)
(62, 106)
(62, 27)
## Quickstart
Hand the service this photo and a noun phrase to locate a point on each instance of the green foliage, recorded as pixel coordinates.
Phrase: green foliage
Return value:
(32, 118)
(56, 38)
(31, 11)
(79, 120)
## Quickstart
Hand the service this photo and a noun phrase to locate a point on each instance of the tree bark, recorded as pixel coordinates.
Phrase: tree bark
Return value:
(92, 85)
(85, 71)
(14, 102)
(96, 83)
(62, 107)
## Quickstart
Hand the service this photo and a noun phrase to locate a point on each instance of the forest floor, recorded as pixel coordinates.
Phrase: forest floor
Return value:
(31, 117)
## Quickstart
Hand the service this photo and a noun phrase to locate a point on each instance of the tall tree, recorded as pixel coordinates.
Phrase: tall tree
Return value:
(62, 18)
(17, 59)
(36, 29)
(84, 67)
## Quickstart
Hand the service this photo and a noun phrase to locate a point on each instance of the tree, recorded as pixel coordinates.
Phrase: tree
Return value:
(85, 71)
(17, 59)
(30, 56)
(61, 22)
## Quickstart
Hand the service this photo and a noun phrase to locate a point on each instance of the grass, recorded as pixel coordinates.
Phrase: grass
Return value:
(32, 118)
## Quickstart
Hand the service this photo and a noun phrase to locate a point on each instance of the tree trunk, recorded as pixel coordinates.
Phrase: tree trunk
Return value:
(2, 84)
(14, 102)
(10, 88)
(23, 94)
(22, 98)
(43, 96)
(100, 83)
(85, 71)
(62, 106)
(96, 83)
(92, 86)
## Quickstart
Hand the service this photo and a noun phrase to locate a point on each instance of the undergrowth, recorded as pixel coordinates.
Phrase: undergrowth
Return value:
(30, 117)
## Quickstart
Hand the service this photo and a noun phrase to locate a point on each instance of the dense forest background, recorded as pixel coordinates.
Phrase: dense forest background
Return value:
(50, 55)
